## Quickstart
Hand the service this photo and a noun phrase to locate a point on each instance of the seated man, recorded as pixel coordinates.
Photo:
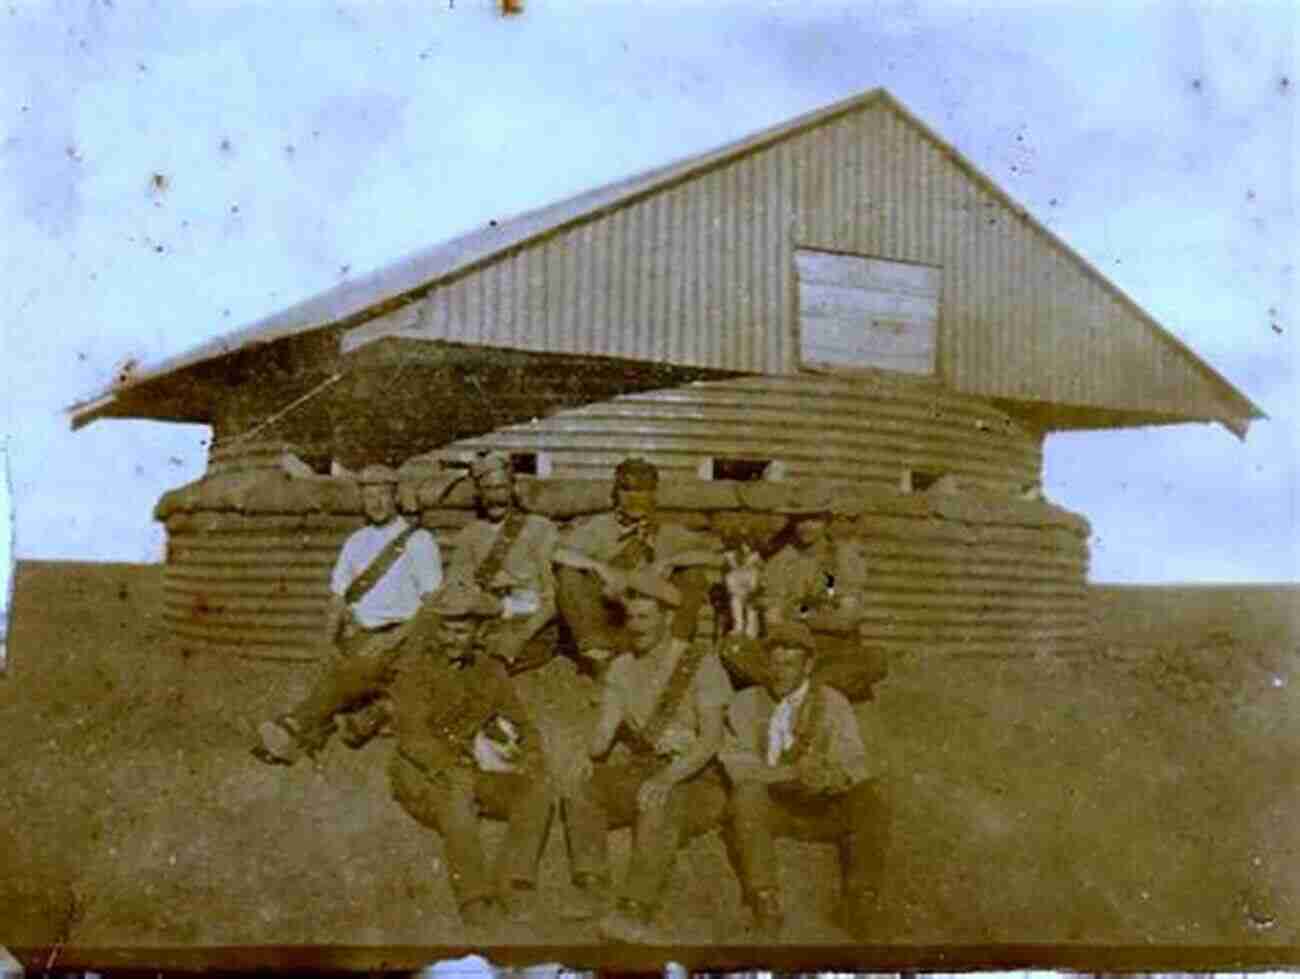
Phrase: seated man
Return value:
(664, 702)
(383, 573)
(594, 554)
(817, 581)
(465, 745)
(505, 556)
(502, 560)
(798, 767)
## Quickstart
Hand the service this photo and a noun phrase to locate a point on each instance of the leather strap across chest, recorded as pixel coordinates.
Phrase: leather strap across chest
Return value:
(645, 736)
(378, 567)
(495, 558)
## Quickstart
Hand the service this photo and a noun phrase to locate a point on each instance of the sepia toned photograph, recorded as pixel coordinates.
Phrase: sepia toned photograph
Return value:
(804, 485)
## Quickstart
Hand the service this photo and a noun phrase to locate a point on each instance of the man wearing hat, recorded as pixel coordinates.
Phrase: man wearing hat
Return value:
(504, 558)
(797, 763)
(595, 553)
(651, 760)
(384, 569)
(383, 574)
(817, 581)
(465, 747)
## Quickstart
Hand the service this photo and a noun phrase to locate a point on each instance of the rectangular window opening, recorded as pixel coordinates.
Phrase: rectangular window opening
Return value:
(523, 463)
(741, 470)
(920, 480)
(531, 464)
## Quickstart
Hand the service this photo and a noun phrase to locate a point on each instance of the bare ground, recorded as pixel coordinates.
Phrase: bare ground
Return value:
(1144, 794)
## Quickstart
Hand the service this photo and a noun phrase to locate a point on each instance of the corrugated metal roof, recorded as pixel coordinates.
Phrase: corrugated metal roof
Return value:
(692, 263)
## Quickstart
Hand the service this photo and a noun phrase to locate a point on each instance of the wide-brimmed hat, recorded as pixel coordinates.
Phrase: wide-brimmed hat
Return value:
(789, 635)
(377, 475)
(642, 582)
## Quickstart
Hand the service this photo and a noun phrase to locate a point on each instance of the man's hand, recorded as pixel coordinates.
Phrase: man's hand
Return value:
(654, 791)
(486, 605)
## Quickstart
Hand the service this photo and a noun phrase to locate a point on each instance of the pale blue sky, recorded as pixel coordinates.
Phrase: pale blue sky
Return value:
(302, 142)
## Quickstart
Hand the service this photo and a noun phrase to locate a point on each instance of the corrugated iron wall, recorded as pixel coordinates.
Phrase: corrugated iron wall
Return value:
(249, 558)
(869, 429)
(701, 273)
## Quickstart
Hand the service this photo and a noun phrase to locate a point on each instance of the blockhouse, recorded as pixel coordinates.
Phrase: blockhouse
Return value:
(838, 309)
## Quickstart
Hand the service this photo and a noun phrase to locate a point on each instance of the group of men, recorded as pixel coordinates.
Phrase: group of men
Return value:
(674, 750)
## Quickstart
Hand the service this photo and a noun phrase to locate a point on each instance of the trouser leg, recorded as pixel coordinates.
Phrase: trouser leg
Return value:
(581, 601)
(605, 801)
(346, 683)
(526, 803)
(862, 848)
(747, 836)
(445, 802)
(656, 835)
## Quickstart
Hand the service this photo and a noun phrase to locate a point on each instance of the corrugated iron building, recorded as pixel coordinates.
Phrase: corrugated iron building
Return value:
(840, 298)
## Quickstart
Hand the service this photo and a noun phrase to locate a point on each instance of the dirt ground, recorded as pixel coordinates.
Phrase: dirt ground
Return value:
(1146, 793)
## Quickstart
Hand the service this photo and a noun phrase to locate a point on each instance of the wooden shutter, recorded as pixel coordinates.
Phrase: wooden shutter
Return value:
(866, 312)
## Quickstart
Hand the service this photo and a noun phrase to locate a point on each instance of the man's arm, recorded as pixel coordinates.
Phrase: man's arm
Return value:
(337, 613)
(541, 556)
(608, 719)
(744, 730)
(654, 790)
(712, 692)
(335, 616)
(426, 562)
(837, 758)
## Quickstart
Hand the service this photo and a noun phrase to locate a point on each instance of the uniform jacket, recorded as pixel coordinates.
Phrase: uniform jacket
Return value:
(526, 568)
(602, 537)
(828, 747)
(439, 706)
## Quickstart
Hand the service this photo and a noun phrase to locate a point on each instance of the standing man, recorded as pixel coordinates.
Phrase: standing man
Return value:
(504, 559)
(663, 703)
(383, 574)
(798, 768)
(596, 553)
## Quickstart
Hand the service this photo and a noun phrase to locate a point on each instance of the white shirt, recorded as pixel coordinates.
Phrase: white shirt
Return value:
(780, 729)
(396, 596)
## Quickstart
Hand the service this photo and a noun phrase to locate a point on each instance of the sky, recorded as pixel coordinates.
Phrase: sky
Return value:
(174, 170)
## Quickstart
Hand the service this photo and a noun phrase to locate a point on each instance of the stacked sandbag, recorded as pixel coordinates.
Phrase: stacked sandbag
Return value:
(949, 571)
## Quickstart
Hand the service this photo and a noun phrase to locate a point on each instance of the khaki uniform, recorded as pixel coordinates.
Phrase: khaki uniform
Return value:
(595, 622)
(525, 580)
(438, 709)
(836, 798)
(823, 587)
(609, 799)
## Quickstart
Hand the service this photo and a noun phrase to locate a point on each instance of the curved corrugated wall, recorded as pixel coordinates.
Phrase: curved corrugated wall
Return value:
(973, 573)
(869, 429)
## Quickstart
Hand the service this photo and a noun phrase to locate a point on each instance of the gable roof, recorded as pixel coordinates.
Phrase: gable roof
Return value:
(385, 292)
